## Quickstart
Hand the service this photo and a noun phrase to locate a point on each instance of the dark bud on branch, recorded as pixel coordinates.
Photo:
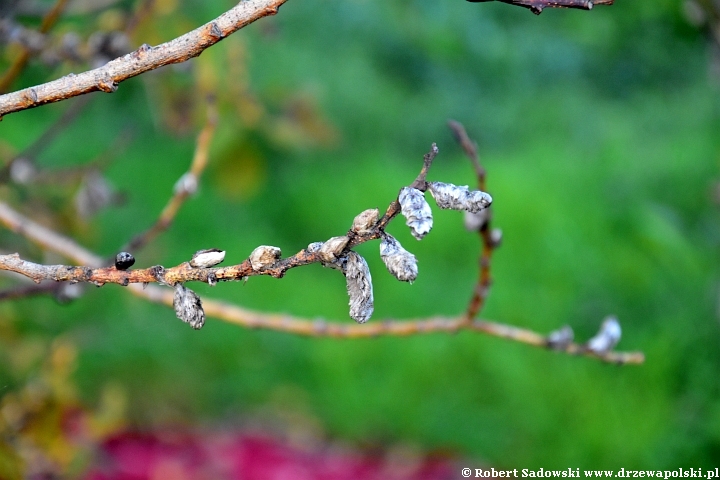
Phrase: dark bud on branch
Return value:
(124, 260)
(188, 307)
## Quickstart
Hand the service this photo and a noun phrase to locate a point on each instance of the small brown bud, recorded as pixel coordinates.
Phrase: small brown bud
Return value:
(399, 262)
(359, 287)
(365, 221)
(416, 210)
(188, 307)
(264, 256)
(332, 248)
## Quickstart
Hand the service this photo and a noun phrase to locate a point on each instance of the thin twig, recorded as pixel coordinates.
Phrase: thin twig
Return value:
(185, 186)
(19, 64)
(482, 287)
(537, 6)
(145, 58)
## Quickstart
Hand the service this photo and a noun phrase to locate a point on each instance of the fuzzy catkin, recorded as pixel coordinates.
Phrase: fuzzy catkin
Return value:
(359, 287)
(399, 262)
(416, 210)
(188, 307)
(453, 197)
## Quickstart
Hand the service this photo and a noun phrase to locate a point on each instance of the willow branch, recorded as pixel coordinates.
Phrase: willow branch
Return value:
(537, 6)
(146, 58)
(50, 240)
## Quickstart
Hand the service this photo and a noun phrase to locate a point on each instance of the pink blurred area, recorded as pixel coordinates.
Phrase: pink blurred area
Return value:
(186, 456)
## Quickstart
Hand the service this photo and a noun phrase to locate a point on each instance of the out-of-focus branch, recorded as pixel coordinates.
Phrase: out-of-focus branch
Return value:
(185, 186)
(479, 222)
(537, 6)
(145, 58)
(19, 64)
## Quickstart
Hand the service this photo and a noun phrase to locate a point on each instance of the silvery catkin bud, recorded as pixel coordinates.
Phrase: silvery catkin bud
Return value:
(188, 307)
(561, 338)
(264, 256)
(365, 221)
(314, 247)
(451, 196)
(332, 248)
(401, 263)
(359, 287)
(606, 338)
(474, 222)
(416, 210)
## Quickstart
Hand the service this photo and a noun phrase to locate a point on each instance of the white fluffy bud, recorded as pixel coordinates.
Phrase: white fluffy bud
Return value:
(188, 307)
(365, 221)
(401, 263)
(359, 287)
(451, 196)
(264, 256)
(416, 210)
(607, 337)
(186, 184)
(332, 248)
(207, 258)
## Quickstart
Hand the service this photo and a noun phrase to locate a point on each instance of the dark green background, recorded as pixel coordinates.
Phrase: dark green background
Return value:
(599, 131)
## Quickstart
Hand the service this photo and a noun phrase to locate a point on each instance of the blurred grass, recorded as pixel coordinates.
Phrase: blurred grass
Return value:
(599, 132)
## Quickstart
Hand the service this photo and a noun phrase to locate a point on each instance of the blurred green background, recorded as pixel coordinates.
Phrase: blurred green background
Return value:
(599, 131)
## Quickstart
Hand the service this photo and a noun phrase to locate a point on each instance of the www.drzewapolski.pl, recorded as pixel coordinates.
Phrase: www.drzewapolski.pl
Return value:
(707, 474)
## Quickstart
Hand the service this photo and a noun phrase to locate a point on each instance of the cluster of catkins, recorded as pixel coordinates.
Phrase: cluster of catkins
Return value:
(399, 262)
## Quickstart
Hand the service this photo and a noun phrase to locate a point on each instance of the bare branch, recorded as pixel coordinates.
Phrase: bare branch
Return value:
(145, 58)
(537, 6)
(481, 222)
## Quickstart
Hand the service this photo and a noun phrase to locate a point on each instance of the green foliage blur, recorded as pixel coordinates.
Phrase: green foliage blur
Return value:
(599, 131)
